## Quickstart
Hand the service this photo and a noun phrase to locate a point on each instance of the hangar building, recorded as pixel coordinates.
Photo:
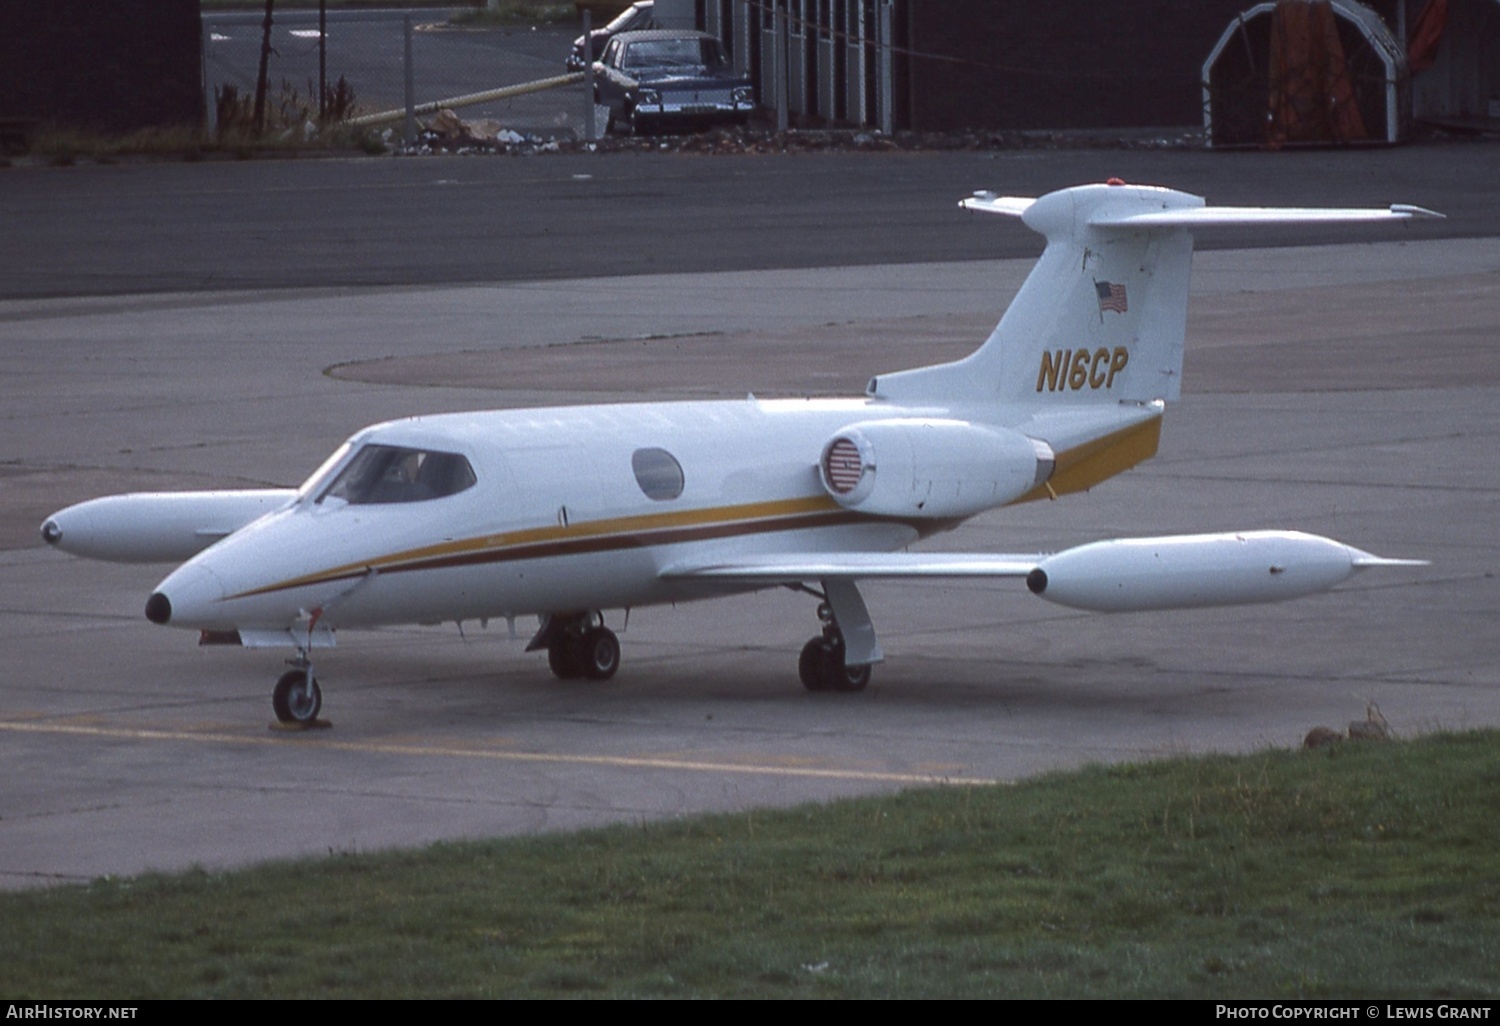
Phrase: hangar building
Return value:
(946, 65)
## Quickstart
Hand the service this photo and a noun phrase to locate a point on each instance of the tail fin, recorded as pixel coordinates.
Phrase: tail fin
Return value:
(1102, 316)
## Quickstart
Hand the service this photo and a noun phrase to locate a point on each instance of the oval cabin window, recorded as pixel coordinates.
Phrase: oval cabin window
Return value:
(658, 473)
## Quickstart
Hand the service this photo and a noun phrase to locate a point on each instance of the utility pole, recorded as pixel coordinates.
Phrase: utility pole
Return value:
(260, 79)
(322, 62)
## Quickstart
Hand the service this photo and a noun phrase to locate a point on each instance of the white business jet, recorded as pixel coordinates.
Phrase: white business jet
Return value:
(566, 513)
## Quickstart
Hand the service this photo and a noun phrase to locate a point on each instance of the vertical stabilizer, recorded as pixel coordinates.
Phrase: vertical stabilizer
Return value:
(1103, 315)
(1100, 318)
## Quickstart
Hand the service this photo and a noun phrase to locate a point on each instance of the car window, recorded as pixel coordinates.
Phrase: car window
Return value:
(392, 473)
(668, 53)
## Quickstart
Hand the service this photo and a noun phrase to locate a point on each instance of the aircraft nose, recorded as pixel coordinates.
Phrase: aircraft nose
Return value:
(158, 608)
(189, 597)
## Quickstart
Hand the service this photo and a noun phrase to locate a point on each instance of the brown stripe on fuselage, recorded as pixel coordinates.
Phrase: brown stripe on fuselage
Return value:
(588, 537)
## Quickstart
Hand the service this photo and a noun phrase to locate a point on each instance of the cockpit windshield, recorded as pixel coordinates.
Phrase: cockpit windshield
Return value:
(391, 473)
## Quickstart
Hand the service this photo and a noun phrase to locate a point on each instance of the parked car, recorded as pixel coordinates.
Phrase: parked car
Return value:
(635, 18)
(670, 77)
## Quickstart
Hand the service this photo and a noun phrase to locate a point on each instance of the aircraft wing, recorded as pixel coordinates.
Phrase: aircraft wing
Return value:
(805, 566)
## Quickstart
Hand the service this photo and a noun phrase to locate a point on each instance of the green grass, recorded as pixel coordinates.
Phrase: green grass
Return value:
(1357, 871)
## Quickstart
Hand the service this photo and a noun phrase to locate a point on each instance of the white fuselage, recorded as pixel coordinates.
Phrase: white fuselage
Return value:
(556, 521)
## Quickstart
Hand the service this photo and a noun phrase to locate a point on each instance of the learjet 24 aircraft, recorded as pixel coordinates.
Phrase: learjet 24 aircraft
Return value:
(564, 513)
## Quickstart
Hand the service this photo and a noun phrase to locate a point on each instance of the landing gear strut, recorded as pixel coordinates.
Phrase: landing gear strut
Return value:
(297, 699)
(821, 665)
(579, 646)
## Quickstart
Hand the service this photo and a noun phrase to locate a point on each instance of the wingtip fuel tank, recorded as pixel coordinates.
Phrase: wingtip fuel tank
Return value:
(156, 527)
(1196, 570)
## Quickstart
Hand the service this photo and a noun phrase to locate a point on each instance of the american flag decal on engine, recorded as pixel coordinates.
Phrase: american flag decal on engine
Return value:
(843, 467)
(1111, 297)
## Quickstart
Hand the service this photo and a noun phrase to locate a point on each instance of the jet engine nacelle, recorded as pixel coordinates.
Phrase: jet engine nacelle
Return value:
(931, 468)
(1187, 571)
(157, 527)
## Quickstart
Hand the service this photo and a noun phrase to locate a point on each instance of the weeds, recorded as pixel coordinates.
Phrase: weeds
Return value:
(290, 110)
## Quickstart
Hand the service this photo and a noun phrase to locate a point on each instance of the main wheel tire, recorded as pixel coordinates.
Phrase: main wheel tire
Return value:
(813, 663)
(291, 700)
(564, 658)
(599, 653)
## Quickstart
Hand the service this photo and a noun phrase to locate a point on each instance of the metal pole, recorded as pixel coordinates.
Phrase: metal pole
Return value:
(210, 104)
(778, 65)
(411, 88)
(322, 61)
(588, 76)
(260, 78)
(883, 53)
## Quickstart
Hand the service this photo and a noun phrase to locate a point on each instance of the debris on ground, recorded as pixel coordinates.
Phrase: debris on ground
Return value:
(1321, 737)
(446, 132)
(1372, 728)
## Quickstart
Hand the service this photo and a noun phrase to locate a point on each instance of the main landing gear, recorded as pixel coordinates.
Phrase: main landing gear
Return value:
(821, 665)
(297, 699)
(578, 645)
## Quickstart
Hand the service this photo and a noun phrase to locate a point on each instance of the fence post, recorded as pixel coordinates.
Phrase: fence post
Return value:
(210, 104)
(322, 62)
(411, 88)
(778, 63)
(589, 134)
(883, 66)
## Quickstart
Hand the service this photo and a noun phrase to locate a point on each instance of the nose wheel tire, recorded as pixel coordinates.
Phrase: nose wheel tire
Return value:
(297, 699)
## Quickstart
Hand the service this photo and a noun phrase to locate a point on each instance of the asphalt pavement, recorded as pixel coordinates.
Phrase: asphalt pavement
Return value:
(222, 325)
(121, 230)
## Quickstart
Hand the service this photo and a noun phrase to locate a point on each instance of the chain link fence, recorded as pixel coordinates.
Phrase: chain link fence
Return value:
(388, 68)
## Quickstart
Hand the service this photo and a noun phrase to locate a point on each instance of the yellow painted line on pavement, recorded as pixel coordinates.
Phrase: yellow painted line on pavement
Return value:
(321, 739)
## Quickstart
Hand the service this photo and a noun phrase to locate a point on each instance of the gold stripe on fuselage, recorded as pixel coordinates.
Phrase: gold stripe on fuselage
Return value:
(1083, 466)
(590, 536)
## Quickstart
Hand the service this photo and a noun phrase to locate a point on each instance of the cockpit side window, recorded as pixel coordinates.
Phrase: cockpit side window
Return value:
(390, 473)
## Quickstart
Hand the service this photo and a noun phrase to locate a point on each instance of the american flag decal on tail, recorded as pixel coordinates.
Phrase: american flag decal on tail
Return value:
(1111, 297)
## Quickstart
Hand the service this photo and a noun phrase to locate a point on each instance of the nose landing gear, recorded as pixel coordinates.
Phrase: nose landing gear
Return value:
(297, 699)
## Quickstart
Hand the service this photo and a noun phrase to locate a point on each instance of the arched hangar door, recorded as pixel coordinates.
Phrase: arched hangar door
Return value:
(1305, 72)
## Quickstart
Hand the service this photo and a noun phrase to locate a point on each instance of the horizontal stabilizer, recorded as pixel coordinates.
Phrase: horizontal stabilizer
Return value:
(1215, 217)
(989, 203)
(1210, 217)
